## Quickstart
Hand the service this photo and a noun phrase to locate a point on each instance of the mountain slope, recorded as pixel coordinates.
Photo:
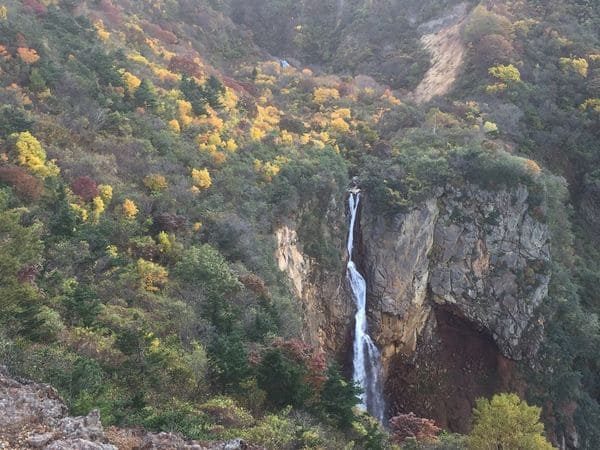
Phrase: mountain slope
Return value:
(155, 158)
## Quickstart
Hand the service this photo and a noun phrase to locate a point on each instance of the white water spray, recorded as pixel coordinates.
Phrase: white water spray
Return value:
(367, 359)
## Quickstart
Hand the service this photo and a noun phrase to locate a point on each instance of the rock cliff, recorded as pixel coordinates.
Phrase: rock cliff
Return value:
(480, 255)
(453, 287)
(327, 310)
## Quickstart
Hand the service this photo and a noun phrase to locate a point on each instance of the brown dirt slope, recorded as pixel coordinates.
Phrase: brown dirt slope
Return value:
(447, 56)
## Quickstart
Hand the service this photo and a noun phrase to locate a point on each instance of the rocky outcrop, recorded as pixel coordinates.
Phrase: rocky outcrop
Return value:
(33, 415)
(327, 310)
(290, 258)
(481, 255)
(453, 289)
(454, 286)
(395, 262)
(589, 206)
(491, 265)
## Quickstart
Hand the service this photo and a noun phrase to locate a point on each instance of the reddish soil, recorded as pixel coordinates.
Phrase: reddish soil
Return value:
(442, 380)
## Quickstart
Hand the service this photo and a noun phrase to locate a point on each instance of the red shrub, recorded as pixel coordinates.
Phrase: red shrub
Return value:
(241, 87)
(404, 426)
(26, 186)
(111, 12)
(35, 7)
(159, 33)
(169, 222)
(85, 187)
(185, 65)
(312, 359)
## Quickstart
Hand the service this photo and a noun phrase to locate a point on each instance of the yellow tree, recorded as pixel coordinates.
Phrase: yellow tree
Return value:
(507, 422)
(30, 154)
(152, 276)
(340, 125)
(28, 55)
(174, 126)
(201, 178)
(131, 81)
(323, 94)
(130, 210)
(155, 182)
(578, 65)
(506, 74)
(98, 208)
(106, 192)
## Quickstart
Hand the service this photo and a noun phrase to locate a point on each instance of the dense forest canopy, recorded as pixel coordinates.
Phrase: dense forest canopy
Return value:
(149, 150)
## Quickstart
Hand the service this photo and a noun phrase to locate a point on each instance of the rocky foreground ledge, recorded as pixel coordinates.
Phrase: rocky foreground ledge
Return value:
(33, 415)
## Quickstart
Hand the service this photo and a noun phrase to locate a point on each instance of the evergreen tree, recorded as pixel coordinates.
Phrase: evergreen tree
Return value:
(229, 361)
(338, 398)
(21, 249)
(145, 95)
(283, 379)
(82, 306)
(213, 90)
(193, 93)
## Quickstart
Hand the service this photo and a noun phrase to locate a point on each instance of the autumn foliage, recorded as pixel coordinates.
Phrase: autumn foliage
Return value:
(185, 65)
(130, 209)
(26, 186)
(405, 426)
(201, 178)
(160, 33)
(35, 7)
(314, 360)
(28, 55)
(85, 187)
(30, 154)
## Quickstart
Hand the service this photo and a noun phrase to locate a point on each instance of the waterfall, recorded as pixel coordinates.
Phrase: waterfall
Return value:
(367, 359)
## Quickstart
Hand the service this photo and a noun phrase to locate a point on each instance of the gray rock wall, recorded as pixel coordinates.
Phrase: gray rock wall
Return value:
(481, 255)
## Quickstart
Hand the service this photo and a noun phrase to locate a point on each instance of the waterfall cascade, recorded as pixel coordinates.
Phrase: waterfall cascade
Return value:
(367, 359)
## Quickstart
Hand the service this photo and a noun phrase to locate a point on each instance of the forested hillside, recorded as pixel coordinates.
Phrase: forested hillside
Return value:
(150, 151)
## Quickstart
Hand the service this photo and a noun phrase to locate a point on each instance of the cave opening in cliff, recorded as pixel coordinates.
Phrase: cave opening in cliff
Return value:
(454, 364)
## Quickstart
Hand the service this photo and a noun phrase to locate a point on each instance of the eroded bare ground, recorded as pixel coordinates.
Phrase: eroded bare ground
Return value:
(447, 55)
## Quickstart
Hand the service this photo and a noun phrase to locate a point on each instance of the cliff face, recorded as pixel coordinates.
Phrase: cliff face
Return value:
(453, 286)
(327, 307)
(480, 255)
